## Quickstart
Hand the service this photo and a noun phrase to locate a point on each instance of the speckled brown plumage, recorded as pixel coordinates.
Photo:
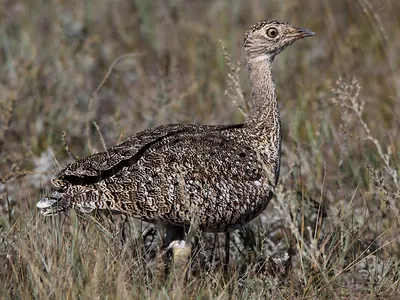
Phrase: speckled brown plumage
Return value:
(217, 178)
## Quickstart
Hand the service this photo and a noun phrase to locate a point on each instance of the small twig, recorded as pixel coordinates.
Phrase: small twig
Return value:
(66, 145)
(234, 90)
(17, 175)
(101, 137)
(347, 96)
(356, 262)
(99, 87)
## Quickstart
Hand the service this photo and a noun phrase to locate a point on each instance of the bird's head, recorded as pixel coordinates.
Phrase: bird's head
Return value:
(266, 39)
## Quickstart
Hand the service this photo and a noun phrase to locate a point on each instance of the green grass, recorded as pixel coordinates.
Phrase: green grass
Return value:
(55, 55)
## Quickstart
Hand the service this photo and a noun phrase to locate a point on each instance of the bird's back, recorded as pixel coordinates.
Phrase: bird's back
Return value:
(177, 174)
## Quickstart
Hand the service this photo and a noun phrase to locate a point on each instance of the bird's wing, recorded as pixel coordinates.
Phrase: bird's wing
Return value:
(207, 153)
(218, 175)
(109, 162)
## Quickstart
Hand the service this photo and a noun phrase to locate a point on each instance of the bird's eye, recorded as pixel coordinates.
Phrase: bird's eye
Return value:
(272, 32)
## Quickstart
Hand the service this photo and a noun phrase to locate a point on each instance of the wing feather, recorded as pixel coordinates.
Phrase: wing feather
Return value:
(107, 163)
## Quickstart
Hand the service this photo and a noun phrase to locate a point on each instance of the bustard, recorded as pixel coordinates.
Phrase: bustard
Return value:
(216, 178)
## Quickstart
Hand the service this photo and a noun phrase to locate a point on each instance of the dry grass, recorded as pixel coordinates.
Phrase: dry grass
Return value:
(331, 231)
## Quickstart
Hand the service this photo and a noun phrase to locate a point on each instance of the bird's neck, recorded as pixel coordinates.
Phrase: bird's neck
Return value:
(264, 114)
(263, 122)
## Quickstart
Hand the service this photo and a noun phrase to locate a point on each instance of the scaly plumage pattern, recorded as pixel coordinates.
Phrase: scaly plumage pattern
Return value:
(217, 178)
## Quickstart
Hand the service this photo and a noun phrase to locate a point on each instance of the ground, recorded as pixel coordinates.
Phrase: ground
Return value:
(78, 76)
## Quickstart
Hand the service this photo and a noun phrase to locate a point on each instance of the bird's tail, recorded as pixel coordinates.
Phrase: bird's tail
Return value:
(83, 198)
(53, 204)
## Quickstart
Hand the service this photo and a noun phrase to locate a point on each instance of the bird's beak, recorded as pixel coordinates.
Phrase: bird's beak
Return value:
(302, 33)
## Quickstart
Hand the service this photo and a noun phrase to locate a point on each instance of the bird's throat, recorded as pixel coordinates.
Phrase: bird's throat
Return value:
(264, 113)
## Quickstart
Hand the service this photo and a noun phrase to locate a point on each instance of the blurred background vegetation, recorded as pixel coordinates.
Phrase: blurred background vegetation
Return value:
(172, 69)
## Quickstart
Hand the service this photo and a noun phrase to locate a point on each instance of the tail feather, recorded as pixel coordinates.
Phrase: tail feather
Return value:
(80, 197)
(53, 204)
(46, 202)
(84, 198)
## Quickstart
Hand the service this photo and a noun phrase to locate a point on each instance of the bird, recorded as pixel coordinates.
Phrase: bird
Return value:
(215, 178)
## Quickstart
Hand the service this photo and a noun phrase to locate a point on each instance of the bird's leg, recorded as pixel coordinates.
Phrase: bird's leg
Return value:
(226, 264)
(227, 252)
(175, 240)
(174, 233)
(172, 242)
